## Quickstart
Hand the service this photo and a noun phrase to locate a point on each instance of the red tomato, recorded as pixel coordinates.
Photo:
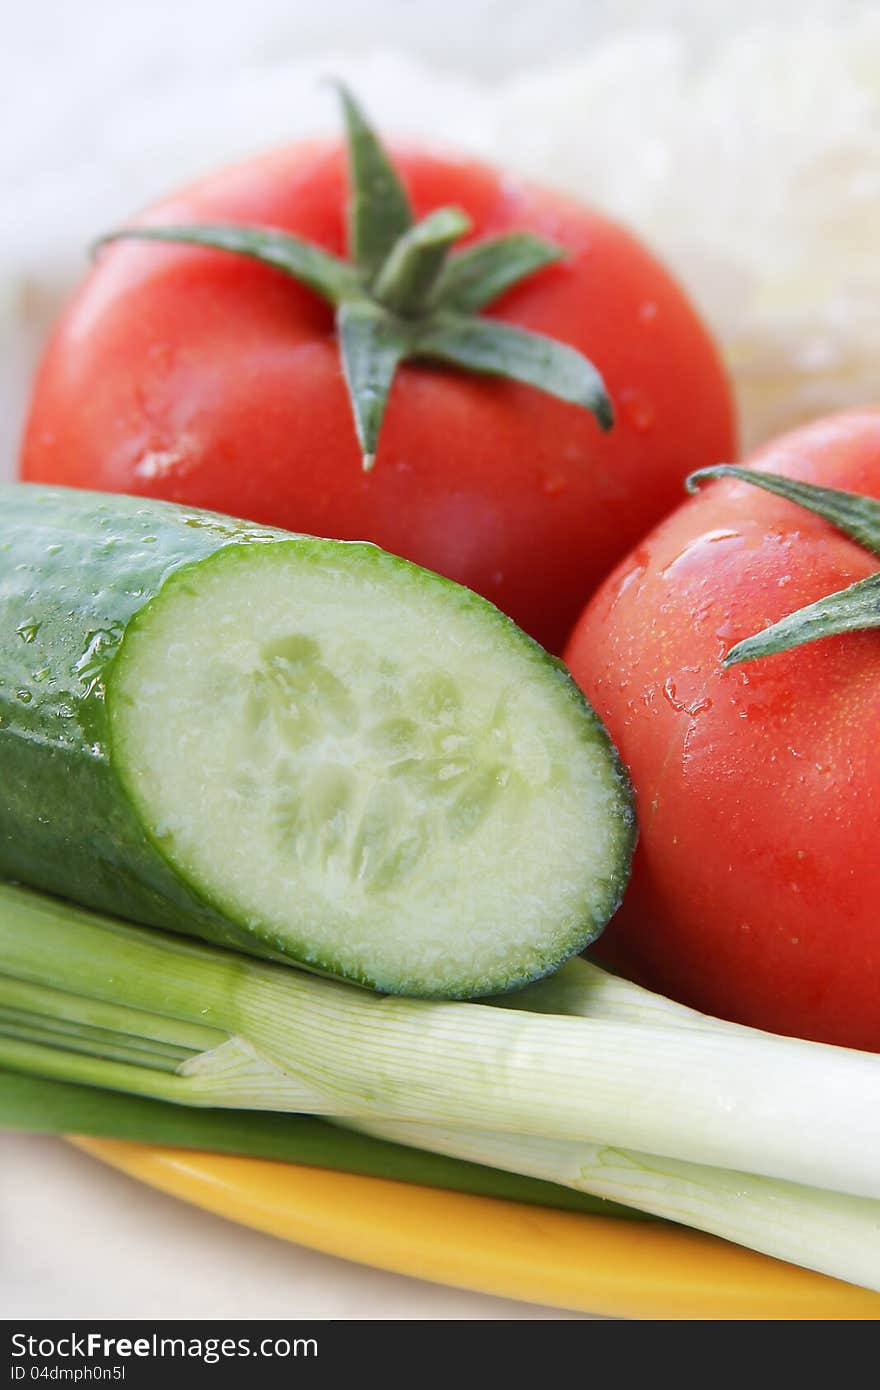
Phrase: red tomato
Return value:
(755, 887)
(201, 377)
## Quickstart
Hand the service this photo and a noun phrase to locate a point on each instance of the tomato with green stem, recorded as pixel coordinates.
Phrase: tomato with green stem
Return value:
(734, 658)
(226, 352)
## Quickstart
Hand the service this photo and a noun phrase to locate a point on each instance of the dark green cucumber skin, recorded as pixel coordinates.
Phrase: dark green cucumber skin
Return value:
(75, 569)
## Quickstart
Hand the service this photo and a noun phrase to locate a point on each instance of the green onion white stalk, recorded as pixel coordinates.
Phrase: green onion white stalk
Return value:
(825, 1231)
(584, 990)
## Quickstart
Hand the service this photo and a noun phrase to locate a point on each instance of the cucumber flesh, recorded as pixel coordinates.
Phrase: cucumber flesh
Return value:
(372, 768)
(350, 762)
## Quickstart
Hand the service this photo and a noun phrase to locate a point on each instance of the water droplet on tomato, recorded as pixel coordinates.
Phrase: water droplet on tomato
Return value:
(637, 409)
(639, 566)
(683, 701)
(552, 484)
(694, 555)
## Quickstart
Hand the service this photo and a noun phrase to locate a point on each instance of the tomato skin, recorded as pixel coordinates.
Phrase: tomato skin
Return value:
(204, 378)
(755, 885)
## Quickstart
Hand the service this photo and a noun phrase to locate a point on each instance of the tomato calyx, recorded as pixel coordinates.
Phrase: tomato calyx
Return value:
(854, 609)
(405, 295)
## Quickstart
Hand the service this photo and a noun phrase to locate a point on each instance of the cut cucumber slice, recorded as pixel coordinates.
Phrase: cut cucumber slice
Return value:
(333, 755)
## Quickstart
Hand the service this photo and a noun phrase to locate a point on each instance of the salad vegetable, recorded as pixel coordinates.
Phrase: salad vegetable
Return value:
(752, 744)
(591, 1102)
(301, 747)
(39, 1106)
(227, 346)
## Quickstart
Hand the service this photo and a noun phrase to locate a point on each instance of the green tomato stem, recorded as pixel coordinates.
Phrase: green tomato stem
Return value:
(408, 275)
(404, 295)
(379, 211)
(854, 609)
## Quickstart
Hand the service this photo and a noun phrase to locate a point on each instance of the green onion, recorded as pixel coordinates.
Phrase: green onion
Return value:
(624, 1095)
(729, 1098)
(825, 1231)
(582, 989)
(788, 1109)
(52, 1107)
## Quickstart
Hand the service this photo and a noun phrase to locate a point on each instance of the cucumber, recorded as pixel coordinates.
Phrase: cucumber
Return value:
(301, 748)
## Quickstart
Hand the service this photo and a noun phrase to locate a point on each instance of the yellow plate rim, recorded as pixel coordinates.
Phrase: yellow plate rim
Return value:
(563, 1259)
